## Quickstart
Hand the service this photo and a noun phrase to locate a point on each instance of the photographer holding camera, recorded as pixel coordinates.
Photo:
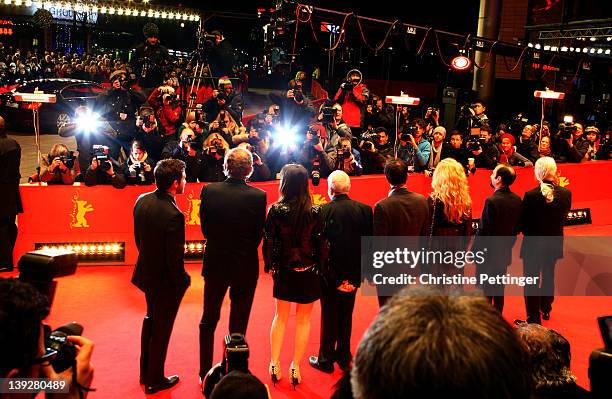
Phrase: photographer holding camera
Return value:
(572, 146)
(149, 133)
(222, 55)
(59, 166)
(118, 105)
(353, 96)
(261, 171)
(188, 151)
(138, 169)
(213, 152)
(413, 148)
(150, 59)
(297, 109)
(102, 169)
(169, 115)
(487, 153)
(439, 148)
(23, 336)
(224, 98)
(378, 114)
(346, 159)
(335, 126)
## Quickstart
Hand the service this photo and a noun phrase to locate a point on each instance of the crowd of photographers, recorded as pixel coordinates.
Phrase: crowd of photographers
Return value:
(125, 133)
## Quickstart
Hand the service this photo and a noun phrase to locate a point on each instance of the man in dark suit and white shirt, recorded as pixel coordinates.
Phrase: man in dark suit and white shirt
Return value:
(402, 213)
(159, 231)
(10, 200)
(500, 219)
(345, 221)
(233, 215)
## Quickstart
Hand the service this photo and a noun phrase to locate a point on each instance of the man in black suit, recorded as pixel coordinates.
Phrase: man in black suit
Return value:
(233, 216)
(346, 221)
(402, 213)
(159, 232)
(543, 215)
(10, 200)
(500, 219)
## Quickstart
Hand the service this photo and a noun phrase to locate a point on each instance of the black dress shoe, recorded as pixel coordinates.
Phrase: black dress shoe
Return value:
(324, 367)
(168, 382)
(546, 315)
(6, 269)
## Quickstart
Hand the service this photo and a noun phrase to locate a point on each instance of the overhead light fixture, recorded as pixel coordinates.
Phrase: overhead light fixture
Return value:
(461, 63)
(549, 95)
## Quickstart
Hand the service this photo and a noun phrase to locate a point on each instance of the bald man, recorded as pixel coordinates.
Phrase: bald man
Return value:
(10, 200)
(346, 221)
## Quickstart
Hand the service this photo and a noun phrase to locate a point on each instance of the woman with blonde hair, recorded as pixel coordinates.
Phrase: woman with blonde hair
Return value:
(543, 215)
(228, 127)
(214, 149)
(60, 166)
(450, 212)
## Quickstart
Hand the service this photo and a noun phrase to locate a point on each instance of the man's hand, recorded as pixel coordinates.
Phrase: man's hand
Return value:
(290, 93)
(84, 369)
(477, 152)
(94, 164)
(214, 125)
(215, 93)
(147, 167)
(149, 129)
(570, 141)
(111, 170)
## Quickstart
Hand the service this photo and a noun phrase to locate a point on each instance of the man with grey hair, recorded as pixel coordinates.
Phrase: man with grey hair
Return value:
(345, 222)
(232, 214)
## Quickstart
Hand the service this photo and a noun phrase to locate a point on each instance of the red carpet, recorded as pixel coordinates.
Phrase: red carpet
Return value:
(111, 309)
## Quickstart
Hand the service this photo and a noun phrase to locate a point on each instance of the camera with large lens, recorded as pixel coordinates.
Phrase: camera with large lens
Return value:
(343, 153)
(100, 153)
(298, 91)
(63, 352)
(137, 171)
(329, 114)
(567, 128)
(235, 358)
(474, 142)
(315, 137)
(407, 132)
(68, 159)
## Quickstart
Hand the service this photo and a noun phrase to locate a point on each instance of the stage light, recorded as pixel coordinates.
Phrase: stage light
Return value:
(568, 119)
(600, 51)
(194, 250)
(103, 10)
(585, 50)
(461, 63)
(578, 216)
(607, 52)
(592, 51)
(111, 10)
(593, 39)
(88, 122)
(554, 48)
(530, 45)
(197, 18)
(120, 11)
(546, 48)
(89, 252)
(143, 13)
(564, 49)
(537, 46)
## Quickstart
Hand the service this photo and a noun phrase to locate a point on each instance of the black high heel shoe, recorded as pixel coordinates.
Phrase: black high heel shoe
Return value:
(275, 373)
(294, 374)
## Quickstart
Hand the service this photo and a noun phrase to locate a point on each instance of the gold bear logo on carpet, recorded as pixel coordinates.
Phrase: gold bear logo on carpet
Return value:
(79, 210)
(192, 215)
(563, 181)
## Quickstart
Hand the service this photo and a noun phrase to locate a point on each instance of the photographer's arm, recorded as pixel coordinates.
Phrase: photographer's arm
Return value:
(423, 152)
(84, 371)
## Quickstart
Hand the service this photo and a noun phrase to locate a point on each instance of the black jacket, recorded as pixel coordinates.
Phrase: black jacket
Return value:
(99, 176)
(159, 232)
(193, 164)
(233, 216)
(345, 221)
(403, 213)
(500, 219)
(528, 148)
(489, 157)
(10, 159)
(541, 222)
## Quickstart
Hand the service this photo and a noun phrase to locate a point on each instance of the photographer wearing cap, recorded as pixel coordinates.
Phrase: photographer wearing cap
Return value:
(413, 147)
(138, 169)
(103, 169)
(186, 150)
(440, 149)
(150, 59)
(22, 335)
(118, 105)
(59, 166)
(353, 96)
